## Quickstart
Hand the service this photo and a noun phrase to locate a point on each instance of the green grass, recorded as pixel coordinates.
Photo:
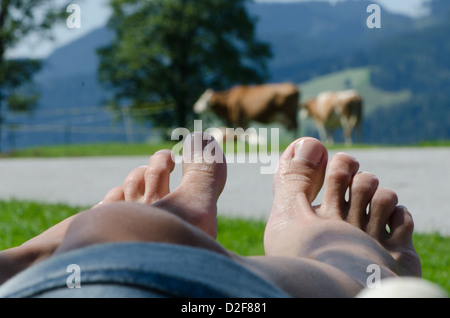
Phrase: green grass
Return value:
(22, 220)
(91, 150)
(434, 252)
(123, 149)
(436, 143)
(117, 149)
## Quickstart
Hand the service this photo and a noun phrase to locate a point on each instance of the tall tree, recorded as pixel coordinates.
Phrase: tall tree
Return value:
(167, 52)
(19, 19)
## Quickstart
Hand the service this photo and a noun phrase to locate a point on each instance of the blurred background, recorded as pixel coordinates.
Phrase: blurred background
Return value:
(133, 70)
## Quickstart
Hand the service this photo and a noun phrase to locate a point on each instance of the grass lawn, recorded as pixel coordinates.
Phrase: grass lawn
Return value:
(20, 221)
(91, 150)
(143, 149)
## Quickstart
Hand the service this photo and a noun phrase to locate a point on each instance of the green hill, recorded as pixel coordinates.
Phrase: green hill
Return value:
(359, 79)
(375, 99)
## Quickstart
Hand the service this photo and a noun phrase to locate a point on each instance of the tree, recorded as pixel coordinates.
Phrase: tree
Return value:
(167, 52)
(19, 19)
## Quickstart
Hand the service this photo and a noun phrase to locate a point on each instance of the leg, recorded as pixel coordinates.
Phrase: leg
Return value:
(150, 212)
(147, 185)
(16, 259)
(348, 124)
(323, 133)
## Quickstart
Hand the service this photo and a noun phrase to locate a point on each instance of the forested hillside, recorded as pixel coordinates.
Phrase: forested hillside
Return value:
(310, 39)
(419, 62)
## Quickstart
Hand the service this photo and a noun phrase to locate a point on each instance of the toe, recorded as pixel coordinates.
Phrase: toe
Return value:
(157, 176)
(204, 167)
(401, 225)
(134, 185)
(362, 189)
(382, 206)
(147, 184)
(400, 242)
(300, 173)
(114, 195)
(204, 177)
(297, 181)
(342, 169)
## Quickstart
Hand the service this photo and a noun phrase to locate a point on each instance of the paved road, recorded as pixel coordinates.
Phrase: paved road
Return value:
(420, 176)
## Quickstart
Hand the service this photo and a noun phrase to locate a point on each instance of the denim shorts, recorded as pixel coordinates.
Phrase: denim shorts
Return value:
(137, 270)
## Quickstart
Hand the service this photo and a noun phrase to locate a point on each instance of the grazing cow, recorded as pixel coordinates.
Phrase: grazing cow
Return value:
(260, 103)
(331, 110)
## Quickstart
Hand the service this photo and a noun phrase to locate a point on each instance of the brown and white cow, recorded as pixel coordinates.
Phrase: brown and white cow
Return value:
(331, 110)
(242, 104)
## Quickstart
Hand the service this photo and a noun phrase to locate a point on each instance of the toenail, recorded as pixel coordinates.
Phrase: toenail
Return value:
(344, 154)
(201, 148)
(309, 150)
(98, 204)
(166, 151)
(368, 174)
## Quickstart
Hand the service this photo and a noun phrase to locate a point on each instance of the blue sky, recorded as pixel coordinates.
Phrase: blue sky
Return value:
(95, 14)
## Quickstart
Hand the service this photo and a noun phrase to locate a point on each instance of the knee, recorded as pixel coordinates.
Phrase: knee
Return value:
(130, 222)
(121, 222)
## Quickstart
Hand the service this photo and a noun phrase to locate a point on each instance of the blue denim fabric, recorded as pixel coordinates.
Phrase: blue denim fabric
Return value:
(123, 270)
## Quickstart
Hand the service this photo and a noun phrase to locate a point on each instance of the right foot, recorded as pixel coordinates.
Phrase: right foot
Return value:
(340, 232)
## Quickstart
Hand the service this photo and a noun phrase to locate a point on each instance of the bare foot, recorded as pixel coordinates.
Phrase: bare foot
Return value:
(195, 199)
(368, 228)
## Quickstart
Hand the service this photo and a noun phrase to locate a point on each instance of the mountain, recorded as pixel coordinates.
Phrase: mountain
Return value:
(316, 38)
(421, 65)
(70, 102)
(77, 58)
(308, 39)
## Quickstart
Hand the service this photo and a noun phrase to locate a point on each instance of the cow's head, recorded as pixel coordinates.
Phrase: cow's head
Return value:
(203, 103)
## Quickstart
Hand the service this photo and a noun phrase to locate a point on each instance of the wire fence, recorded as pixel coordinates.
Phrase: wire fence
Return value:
(74, 125)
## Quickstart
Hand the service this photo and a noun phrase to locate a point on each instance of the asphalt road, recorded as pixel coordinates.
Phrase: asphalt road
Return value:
(420, 176)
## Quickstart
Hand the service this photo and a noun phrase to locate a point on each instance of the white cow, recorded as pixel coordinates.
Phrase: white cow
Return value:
(331, 110)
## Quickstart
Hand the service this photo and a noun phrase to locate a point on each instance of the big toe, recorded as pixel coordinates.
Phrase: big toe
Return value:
(300, 173)
(297, 181)
(204, 177)
(204, 167)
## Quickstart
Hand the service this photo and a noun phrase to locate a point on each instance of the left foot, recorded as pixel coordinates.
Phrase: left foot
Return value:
(195, 199)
